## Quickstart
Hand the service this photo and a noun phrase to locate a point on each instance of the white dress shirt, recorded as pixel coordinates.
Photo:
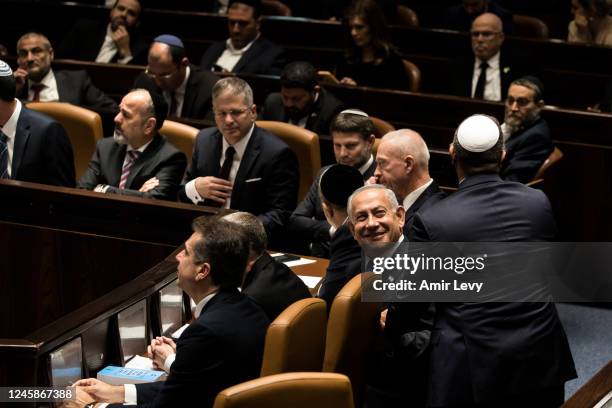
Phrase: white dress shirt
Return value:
(230, 56)
(10, 130)
(109, 49)
(492, 90)
(49, 93)
(414, 195)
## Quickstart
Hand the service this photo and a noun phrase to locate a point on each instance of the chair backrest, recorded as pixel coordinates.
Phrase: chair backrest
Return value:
(382, 126)
(295, 390)
(352, 329)
(295, 340)
(414, 73)
(275, 8)
(305, 144)
(530, 27)
(84, 128)
(181, 136)
(549, 163)
(406, 17)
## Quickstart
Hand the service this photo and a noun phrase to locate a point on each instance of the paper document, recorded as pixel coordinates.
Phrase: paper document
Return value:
(140, 363)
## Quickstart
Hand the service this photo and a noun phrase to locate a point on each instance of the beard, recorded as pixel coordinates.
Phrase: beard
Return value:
(119, 137)
(514, 123)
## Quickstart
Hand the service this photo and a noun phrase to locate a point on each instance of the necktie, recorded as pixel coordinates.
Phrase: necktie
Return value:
(125, 171)
(482, 79)
(227, 163)
(37, 88)
(3, 156)
(173, 105)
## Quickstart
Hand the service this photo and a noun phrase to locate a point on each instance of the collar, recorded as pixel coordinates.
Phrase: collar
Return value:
(235, 51)
(493, 61)
(181, 89)
(202, 303)
(367, 165)
(141, 148)
(240, 146)
(415, 194)
(10, 127)
(48, 80)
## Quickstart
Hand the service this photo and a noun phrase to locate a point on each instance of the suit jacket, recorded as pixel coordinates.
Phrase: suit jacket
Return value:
(264, 57)
(42, 152)
(323, 111)
(267, 180)
(221, 348)
(510, 69)
(344, 252)
(198, 92)
(430, 196)
(75, 87)
(273, 286)
(308, 223)
(86, 37)
(160, 159)
(526, 150)
(483, 352)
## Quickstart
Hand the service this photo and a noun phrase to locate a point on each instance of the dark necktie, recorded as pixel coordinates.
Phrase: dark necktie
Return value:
(37, 88)
(227, 163)
(482, 79)
(3, 156)
(127, 166)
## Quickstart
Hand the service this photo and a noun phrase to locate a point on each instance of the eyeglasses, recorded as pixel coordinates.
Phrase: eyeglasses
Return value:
(484, 34)
(160, 76)
(522, 102)
(234, 113)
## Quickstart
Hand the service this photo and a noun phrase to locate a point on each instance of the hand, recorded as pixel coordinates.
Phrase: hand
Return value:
(149, 185)
(160, 351)
(581, 20)
(372, 180)
(348, 81)
(214, 188)
(21, 76)
(121, 38)
(383, 318)
(81, 398)
(100, 391)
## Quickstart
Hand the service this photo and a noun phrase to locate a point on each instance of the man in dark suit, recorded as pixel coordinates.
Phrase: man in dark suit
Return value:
(240, 166)
(186, 88)
(493, 354)
(488, 71)
(37, 81)
(460, 17)
(301, 101)
(137, 160)
(117, 41)
(271, 284)
(33, 147)
(222, 347)
(352, 136)
(246, 51)
(403, 167)
(527, 138)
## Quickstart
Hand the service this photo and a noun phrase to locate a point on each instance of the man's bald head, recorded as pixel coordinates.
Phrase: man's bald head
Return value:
(402, 162)
(487, 35)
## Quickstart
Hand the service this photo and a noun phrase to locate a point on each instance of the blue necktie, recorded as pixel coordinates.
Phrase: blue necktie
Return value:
(3, 156)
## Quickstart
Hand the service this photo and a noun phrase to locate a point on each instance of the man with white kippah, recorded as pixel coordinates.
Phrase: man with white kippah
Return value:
(352, 136)
(33, 147)
(492, 354)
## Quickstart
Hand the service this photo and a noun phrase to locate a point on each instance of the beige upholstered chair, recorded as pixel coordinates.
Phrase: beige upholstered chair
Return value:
(275, 8)
(295, 340)
(414, 73)
(181, 136)
(294, 390)
(382, 126)
(352, 329)
(529, 27)
(305, 145)
(84, 128)
(546, 169)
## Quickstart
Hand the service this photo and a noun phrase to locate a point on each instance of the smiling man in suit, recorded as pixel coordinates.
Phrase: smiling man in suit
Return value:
(240, 166)
(38, 82)
(33, 147)
(137, 160)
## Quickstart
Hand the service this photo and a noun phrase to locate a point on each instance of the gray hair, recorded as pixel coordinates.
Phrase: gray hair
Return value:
(389, 193)
(46, 41)
(235, 85)
(254, 230)
(408, 142)
(149, 108)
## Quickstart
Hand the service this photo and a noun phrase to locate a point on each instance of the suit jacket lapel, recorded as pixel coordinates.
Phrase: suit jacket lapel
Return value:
(64, 88)
(21, 140)
(115, 162)
(247, 56)
(142, 160)
(191, 95)
(246, 163)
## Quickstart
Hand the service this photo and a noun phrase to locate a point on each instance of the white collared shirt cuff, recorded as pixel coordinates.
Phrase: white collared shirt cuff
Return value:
(130, 394)
(192, 193)
(124, 60)
(168, 362)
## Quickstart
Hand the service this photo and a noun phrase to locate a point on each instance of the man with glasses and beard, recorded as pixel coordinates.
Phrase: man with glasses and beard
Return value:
(526, 135)
(137, 160)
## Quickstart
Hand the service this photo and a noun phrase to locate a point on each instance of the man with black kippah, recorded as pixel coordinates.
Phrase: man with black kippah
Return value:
(186, 88)
(246, 51)
(137, 160)
(336, 185)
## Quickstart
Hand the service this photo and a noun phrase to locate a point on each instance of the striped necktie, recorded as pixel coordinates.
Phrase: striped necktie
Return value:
(127, 166)
(3, 156)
